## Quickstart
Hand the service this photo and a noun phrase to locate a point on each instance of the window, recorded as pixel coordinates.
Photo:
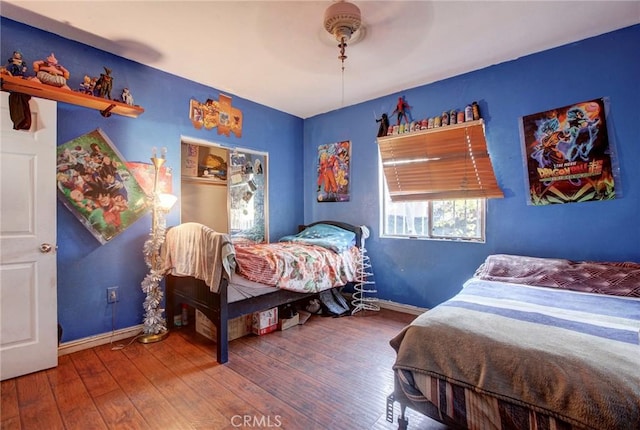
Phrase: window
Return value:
(435, 183)
(433, 219)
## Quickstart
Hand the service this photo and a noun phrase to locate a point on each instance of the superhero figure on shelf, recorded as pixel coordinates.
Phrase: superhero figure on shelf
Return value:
(402, 111)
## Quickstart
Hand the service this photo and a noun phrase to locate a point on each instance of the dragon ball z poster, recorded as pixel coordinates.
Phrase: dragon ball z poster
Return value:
(333, 172)
(567, 154)
(95, 184)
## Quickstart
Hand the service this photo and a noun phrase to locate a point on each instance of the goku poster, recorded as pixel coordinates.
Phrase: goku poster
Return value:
(333, 172)
(95, 184)
(567, 154)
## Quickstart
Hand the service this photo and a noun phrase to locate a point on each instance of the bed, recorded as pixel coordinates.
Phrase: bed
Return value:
(226, 279)
(528, 343)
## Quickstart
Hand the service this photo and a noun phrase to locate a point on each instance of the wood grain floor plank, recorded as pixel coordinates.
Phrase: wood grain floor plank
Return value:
(96, 378)
(9, 408)
(118, 412)
(10, 423)
(38, 408)
(270, 409)
(207, 384)
(143, 394)
(166, 374)
(76, 406)
(339, 376)
(345, 380)
(300, 390)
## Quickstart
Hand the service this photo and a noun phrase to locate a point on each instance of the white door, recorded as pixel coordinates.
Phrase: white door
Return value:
(28, 291)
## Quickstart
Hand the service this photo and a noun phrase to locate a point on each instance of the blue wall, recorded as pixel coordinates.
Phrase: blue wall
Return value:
(420, 273)
(424, 273)
(85, 267)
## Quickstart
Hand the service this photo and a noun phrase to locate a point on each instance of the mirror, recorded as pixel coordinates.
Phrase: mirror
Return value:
(248, 195)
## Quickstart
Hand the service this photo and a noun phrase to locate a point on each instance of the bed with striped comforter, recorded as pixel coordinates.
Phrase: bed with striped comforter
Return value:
(510, 356)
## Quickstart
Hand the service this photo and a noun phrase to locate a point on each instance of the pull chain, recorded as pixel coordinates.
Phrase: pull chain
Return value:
(342, 101)
(342, 57)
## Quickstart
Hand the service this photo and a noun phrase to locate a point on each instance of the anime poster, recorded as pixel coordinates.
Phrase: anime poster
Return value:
(568, 156)
(95, 184)
(333, 172)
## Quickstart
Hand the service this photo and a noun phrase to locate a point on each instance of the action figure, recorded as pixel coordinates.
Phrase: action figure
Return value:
(383, 130)
(402, 110)
(88, 85)
(16, 65)
(105, 84)
(127, 97)
(51, 73)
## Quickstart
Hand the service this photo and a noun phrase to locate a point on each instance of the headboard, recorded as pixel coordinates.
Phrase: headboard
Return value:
(358, 230)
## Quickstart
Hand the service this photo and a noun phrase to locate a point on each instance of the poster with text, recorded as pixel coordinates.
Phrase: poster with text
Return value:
(333, 172)
(567, 154)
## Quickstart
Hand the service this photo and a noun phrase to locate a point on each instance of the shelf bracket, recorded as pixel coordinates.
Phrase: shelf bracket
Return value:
(107, 112)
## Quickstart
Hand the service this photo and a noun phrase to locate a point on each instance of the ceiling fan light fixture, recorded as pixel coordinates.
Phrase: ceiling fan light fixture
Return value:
(342, 19)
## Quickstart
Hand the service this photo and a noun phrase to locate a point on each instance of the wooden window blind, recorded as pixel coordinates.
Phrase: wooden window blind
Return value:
(445, 163)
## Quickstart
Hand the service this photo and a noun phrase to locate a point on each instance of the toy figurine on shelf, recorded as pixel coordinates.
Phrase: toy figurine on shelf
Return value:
(127, 97)
(16, 65)
(105, 84)
(49, 72)
(383, 130)
(88, 85)
(402, 111)
(475, 111)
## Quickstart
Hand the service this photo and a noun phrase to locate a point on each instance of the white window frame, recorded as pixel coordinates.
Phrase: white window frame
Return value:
(384, 199)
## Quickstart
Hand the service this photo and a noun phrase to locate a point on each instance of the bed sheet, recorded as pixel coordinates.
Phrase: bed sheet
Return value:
(240, 288)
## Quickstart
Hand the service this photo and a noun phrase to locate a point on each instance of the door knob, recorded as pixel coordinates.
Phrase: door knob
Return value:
(46, 248)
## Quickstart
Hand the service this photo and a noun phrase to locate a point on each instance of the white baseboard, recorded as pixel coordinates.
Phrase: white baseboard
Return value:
(393, 306)
(401, 307)
(101, 339)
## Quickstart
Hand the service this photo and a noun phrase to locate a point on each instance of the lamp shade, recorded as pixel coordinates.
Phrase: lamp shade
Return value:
(166, 201)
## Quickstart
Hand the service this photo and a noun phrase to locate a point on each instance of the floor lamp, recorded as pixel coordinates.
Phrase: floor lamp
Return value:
(154, 324)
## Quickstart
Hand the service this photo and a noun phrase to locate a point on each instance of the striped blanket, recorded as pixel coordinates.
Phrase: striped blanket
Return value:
(569, 355)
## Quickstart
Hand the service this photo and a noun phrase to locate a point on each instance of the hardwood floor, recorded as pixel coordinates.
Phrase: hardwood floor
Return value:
(330, 373)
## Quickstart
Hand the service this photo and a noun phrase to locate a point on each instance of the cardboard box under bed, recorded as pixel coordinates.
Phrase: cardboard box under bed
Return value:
(237, 327)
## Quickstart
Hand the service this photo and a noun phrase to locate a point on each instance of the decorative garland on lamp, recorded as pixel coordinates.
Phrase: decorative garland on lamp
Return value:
(154, 321)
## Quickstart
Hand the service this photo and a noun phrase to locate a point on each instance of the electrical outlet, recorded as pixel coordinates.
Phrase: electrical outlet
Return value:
(112, 295)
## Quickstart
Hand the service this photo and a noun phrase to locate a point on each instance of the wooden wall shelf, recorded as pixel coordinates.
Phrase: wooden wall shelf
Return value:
(36, 89)
(447, 132)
